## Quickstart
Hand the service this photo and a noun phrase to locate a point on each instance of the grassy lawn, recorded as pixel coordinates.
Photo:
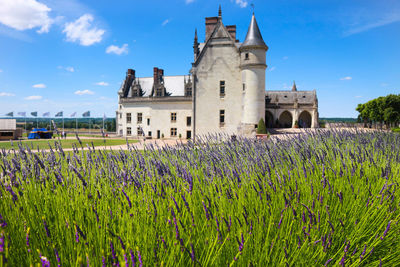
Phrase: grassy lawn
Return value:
(43, 144)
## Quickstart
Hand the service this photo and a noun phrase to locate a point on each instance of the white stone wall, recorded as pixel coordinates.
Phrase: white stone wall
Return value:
(219, 63)
(254, 100)
(159, 114)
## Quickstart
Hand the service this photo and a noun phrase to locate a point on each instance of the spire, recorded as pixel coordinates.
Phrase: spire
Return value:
(253, 37)
(196, 49)
(220, 12)
(294, 87)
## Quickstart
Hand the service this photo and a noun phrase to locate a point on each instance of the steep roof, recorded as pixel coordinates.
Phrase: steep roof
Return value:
(253, 37)
(174, 84)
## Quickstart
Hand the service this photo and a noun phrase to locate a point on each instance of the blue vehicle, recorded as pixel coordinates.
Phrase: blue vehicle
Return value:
(40, 133)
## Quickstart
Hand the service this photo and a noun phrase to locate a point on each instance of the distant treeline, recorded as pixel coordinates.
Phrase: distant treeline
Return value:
(335, 120)
(382, 110)
(69, 123)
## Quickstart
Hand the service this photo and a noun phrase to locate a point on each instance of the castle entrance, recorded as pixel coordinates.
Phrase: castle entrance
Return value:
(305, 120)
(285, 120)
(269, 119)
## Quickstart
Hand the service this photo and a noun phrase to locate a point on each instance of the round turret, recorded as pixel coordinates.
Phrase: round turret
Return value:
(253, 65)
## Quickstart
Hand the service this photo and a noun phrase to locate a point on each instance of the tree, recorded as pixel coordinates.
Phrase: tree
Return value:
(261, 129)
(383, 110)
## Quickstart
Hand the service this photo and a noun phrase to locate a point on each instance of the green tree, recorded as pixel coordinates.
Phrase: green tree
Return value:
(261, 129)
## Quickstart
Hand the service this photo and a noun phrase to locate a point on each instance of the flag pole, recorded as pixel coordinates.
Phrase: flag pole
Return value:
(103, 123)
(76, 122)
(63, 121)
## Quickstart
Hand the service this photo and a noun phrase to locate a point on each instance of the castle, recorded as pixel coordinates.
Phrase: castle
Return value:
(224, 92)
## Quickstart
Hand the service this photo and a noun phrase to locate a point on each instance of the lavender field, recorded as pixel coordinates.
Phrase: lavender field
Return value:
(325, 198)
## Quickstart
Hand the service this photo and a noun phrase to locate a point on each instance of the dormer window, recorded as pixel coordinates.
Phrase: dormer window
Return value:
(285, 96)
(222, 88)
(188, 91)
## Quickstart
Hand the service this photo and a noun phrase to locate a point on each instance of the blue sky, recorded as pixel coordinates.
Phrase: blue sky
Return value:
(72, 55)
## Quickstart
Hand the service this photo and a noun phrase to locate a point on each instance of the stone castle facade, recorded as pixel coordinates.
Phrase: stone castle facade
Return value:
(224, 92)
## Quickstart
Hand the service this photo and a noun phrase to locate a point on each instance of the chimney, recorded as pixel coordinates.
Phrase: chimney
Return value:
(210, 25)
(155, 75)
(232, 31)
(131, 72)
(160, 75)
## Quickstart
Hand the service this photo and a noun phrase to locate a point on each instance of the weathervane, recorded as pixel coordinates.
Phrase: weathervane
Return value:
(252, 6)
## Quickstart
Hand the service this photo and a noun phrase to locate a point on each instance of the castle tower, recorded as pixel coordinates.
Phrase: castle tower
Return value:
(252, 65)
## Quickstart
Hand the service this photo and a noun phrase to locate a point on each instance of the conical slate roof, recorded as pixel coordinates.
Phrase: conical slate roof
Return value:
(253, 37)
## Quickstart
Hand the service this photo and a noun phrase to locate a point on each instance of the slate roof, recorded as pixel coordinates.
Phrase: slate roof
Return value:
(253, 37)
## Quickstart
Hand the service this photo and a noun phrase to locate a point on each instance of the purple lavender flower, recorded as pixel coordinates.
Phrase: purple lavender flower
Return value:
(327, 262)
(132, 257)
(1, 242)
(46, 228)
(140, 259)
(127, 198)
(386, 230)
(45, 262)
(57, 257)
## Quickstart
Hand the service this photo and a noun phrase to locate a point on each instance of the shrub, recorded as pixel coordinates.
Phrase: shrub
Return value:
(261, 129)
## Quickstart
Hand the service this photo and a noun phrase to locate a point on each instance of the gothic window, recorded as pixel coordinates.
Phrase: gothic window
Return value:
(139, 117)
(159, 91)
(222, 117)
(189, 91)
(221, 88)
(173, 117)
(174, 132)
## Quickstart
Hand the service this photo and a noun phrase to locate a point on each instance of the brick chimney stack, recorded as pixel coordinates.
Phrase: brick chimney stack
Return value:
(131, 73)
(232, 31)
(211, 22)
(155, 75)
(158, 75)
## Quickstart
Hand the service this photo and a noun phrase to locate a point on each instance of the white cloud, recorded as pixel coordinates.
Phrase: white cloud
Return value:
(39, 85)
(33, 97)
(385, 20)
(113, 49)
(69, 69)
(165, 22)
(358, 96)
(84, 92)
(1, 70)
(25, 14)
(285, 58)
(102, 83)
(242, 3)
(83, 32)
(6, 94)
(189, 1)
(384, 84)
(272, 68)
(347, 78)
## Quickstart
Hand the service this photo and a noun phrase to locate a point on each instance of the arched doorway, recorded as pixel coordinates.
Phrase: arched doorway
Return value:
(269, 119)
(285, 119)
(305, 120)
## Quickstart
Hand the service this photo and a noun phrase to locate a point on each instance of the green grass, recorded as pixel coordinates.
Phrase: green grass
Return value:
(67, 143)
(331, 196)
